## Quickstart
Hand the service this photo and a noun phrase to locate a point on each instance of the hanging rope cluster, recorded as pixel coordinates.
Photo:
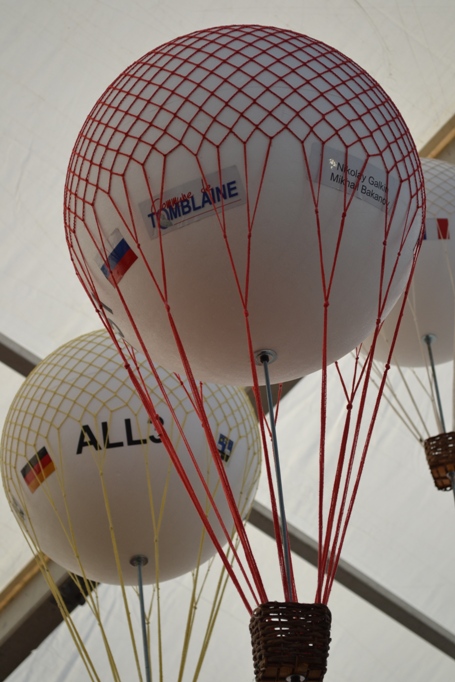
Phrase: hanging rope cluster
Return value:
(114, 613)
(242, 193)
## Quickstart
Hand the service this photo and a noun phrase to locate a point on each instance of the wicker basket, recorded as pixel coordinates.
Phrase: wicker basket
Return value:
(290, 641)
(440, 453)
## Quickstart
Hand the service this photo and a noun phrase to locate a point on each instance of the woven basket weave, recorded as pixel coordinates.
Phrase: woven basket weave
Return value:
(290, 639)
(440, 453)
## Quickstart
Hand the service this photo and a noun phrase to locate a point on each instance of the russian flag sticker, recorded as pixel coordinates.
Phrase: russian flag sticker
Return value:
(119, 260)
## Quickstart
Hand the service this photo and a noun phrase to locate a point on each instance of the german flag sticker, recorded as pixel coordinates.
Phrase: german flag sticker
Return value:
(37, 469)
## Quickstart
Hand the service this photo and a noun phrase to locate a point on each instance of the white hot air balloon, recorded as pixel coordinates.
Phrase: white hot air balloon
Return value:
(242, 196)
(426, 336)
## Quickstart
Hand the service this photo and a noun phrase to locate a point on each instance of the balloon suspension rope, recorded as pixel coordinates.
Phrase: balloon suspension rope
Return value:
(265, 357)
(139, 560)
(429, 338)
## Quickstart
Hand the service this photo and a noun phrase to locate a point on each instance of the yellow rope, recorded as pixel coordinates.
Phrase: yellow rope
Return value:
(44, 420)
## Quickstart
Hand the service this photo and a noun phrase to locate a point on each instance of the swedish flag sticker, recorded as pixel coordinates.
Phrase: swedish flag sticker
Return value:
(225, 446)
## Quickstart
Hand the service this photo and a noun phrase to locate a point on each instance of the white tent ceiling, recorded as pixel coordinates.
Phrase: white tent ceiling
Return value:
(56, 59)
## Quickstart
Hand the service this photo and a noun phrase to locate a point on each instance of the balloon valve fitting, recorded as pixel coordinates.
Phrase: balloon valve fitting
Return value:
(429, 338)
(265, 355)
(139, 560)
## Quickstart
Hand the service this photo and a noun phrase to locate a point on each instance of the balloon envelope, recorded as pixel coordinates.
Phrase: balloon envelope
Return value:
(243, 180)
(430, 306)
(90, 480)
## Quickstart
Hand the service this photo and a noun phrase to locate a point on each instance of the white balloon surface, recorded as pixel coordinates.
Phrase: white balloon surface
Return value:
(90, 480)
(243, 174)
(430, 306)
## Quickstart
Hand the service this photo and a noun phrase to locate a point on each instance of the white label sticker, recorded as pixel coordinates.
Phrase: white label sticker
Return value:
(193, 201)
(349, 174)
